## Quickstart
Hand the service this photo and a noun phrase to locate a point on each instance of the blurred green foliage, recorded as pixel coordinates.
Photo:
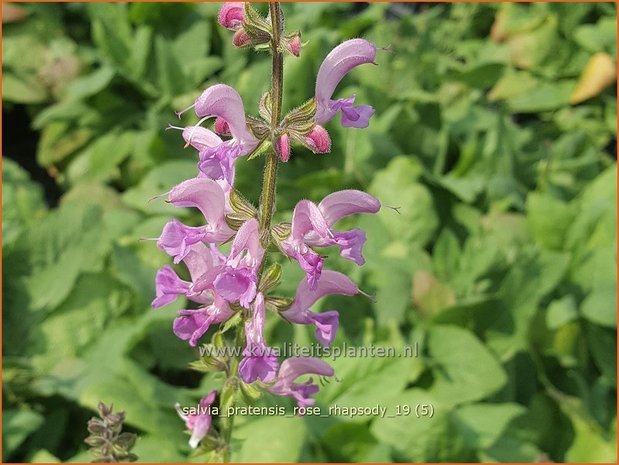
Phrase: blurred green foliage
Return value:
(500, 262)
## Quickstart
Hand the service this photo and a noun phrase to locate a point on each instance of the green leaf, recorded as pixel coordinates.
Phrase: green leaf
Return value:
(22, 89)
(95, 301)
(465, 369)
(349, 442)
(430, 295)
(396, 186)
(59, 248)
(483, 424)
(269, 439)
(561, 311)
(100, 160)
(545, 97)
(602, 343)
(44, 456)
(598, 37)
(425, 439)
(22, 201)
(157, 449)
(528, 280)
(600, 307)
(111, 33)
(17, 425)
(60, 140)
(88, 85)
(446, 254)
(172, 79)
(549, 219)
(511, 85)
(589, 445)
(365, 384)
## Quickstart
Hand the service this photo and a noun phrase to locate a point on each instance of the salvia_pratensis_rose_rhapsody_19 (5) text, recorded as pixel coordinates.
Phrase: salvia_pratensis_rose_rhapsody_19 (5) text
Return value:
(234, 289)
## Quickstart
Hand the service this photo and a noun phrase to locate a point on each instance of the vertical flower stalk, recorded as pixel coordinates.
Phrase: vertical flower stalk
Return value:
(267, 200)
(234, 290)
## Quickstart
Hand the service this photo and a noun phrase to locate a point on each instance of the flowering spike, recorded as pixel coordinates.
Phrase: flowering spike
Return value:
(233, 289)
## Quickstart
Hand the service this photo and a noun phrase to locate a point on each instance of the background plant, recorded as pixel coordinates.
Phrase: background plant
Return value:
(504, 250)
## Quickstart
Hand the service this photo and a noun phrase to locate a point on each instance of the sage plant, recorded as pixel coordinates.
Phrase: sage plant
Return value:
(234, 289)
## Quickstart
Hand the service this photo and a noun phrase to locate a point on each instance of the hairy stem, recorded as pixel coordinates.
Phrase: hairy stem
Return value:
(228, 398)
(267, 197)
(267, 206)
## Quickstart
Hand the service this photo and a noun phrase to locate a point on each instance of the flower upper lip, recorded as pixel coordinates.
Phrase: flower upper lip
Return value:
(339, 62)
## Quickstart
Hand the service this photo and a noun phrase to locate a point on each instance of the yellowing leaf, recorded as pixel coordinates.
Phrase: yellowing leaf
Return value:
(599, 73)
(429, 294)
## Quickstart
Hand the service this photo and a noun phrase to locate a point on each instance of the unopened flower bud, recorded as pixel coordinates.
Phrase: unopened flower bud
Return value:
(231, 15)
(283, 147)
(318, 140)
(221, 127)
(292, 43)
(241, 38)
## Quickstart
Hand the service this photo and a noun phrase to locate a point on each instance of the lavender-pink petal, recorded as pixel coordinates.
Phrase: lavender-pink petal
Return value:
(290, 370)
(208, 196)
(176, 239)
(223, 101)
(201, 138)
(330, 283)
(259, 362)
(339, 62)
(168, 286)
(348, 202)
(351, 244)
(326, 324)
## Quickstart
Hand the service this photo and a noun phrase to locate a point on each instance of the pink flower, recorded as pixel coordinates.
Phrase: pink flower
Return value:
(290, 370)
(259, 362)
(336, 65)
(207, 196)
(168, 286)
(190, 325)
(236, 278)
(231, 15)
(326, 323)
(312, 227)
(198, 423)
(217, 157)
